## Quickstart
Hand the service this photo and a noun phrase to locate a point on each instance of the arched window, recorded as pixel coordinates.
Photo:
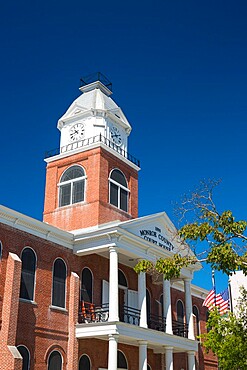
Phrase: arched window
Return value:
(180, 311)
(28, 269)
(59, 283)
(25, 356)
(118, 190)
(121, 361)
(72, 186)
(86, 285)
(149, 367)
(84, 363)
(122, 279)
(55, 361)
(196, 313)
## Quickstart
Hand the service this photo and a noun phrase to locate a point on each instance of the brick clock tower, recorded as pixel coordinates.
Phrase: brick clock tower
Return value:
(91, 179)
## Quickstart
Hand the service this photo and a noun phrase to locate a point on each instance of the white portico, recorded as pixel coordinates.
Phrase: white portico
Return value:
(149, 237)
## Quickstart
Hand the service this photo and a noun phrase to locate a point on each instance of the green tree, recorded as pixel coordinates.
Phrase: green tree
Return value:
(223, 238)
(227, 337)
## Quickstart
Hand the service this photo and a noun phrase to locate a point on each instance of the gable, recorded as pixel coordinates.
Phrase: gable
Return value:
(156, 229)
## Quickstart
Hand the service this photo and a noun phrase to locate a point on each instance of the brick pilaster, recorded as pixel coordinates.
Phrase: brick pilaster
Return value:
(72, 349)
(10, 358)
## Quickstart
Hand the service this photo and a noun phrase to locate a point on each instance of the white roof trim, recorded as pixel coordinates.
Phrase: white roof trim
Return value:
(32, 226)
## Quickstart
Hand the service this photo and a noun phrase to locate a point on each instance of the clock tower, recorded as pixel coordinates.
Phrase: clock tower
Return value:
(91, 179)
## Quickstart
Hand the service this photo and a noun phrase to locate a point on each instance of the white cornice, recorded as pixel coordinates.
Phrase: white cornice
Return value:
(32, 226)
(196, 291)
(90, 147)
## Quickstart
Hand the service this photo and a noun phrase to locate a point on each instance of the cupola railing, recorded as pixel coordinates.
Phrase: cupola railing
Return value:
(89, 141)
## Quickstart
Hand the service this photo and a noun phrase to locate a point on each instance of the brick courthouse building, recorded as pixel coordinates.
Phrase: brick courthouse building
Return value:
(69, 297)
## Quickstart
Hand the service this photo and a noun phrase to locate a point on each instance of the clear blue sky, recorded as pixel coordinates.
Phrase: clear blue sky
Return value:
(179, 73)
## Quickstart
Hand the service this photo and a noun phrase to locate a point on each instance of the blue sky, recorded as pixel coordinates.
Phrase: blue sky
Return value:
(179, 73)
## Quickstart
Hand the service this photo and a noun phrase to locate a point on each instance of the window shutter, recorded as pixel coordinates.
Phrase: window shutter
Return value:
(105, 291)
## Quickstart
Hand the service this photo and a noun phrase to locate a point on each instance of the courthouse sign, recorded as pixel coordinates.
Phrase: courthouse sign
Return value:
(156, 237)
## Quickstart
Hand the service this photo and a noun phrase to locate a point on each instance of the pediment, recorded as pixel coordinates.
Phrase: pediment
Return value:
(75, 110)
(156, 229)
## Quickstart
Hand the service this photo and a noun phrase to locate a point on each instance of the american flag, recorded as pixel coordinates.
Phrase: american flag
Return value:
(220, 300)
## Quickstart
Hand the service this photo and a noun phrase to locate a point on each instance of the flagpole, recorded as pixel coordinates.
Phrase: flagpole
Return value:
(214, 287)
(230, 294)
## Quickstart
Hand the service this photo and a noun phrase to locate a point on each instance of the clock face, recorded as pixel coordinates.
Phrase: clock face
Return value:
(116, 136)
(77, 132)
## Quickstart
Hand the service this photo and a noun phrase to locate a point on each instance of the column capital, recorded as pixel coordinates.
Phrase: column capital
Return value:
(113, 337)
(113, 248)
(191, 353)
(143, 342)
(168, 348)
(187, 280)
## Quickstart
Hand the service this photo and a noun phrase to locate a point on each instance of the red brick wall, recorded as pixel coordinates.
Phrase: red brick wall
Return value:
(42, 328)
(96, 209)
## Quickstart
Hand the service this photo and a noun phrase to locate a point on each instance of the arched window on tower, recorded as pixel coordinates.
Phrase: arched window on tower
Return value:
(25, 356)
(121, 360)
(72, 186)
(59, 283)
(118, 190)
(55, 361)
(28, 269)
(86, 285)
(84, 363)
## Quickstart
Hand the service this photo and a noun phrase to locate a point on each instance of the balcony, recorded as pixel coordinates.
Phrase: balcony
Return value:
(156, 322)
(180, 329)
(92, 140)
(89, 313)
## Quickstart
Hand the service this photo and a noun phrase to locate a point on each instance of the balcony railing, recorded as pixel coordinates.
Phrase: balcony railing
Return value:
(180, 329)
(157, 322)
(88, 312)
(92, 140)
(130, 315)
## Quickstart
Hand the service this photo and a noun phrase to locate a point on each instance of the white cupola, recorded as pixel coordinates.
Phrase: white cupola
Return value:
(94, 115)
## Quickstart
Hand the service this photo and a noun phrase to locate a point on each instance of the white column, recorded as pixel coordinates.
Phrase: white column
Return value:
(143, 362)
(191, 360)
(169, 358)
(112, 352)
(142, 300)
(113, 285)
(188, 308)
(167, 305)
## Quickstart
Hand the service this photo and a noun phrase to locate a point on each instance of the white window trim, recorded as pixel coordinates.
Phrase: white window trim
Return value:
(34, 285)
(72, 181)
(65, 296)
(22, 345)
(55, 350)
(120, 186)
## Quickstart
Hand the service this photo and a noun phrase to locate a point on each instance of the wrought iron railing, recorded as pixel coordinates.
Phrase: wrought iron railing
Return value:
(130, 315)
(180, 329)
(97, 76)
(89, 141)
(156, 322)
(88, 312)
